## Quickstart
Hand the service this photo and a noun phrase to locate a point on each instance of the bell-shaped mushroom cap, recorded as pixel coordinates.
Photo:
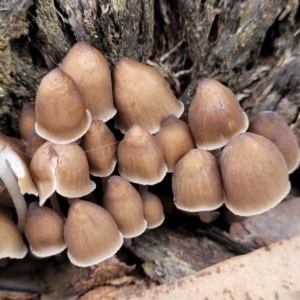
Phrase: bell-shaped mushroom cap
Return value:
(63, 168)
(142, 96)
(125, 205)
(215, 115)
(153, 209)
(140, 157)
(254, 174)
(11, 242)
(100, 146)
(27, 120)
(176, 139)
(44, 230)
(89, 69)
(61, 116)
(196, 182)
(34, 142)
(269, 125)
(91, 234)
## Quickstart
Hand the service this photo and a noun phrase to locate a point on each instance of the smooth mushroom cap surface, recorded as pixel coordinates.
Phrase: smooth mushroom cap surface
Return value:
(176, 139)
(153, 209)
(271, 126)
(196, 182)
(27, 120)
(254, 174)
(125, 205)
(34, 142)
(140, 157)
(11, 241)
(89, 69)
(100, 146)
(142, 96)
(61, 116)
(91, 234)
(61, 168)
(44, 230)
(215, 116)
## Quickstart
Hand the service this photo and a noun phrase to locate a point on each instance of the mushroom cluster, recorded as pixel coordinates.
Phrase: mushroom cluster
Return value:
(66, 139)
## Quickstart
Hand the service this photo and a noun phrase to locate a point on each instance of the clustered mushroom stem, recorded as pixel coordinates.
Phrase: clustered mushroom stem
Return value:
(15, 193)
(71, 200)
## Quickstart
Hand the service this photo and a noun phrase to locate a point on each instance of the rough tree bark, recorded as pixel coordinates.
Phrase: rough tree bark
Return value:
(251, 46)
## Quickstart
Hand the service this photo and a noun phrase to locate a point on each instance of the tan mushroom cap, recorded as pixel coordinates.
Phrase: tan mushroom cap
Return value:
(153, 209)
(125, 205)
(215, 115)
(270, 125)
(61, 168)
(61, 116)
(44, 230)
(11, 241)
(89, 69)
(196, 182)
(100, 146)
(91, 234)
(34, 142)
(254, 174)
(27, 120)
(176, 139)
(142, 96)
(140, 157)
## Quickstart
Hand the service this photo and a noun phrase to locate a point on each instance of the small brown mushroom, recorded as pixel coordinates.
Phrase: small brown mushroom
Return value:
(254, 174)
(196, 182)
(125, 205)
(270, 125)
(27, 120)
(44, 231)
(140, 157)
(91, 234)
(61, 116)
(215, 115)
(90, 71)
(142, 96)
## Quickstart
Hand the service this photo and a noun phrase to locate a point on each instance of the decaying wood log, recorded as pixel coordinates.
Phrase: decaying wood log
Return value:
(251, 46)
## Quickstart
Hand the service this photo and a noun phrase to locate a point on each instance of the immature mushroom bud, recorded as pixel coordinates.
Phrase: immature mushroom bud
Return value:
(254, 174)
(91, 234)
(269, 125)
(215, 115)
(44, 230)
(176, 139)
(140, 157)
(61, 168)
(142, 96)
(153, 209)
(11, 242)
(196, 182)
(27, 120)
(100, 146)
(61, 116)
(90, 70)
(125, 205)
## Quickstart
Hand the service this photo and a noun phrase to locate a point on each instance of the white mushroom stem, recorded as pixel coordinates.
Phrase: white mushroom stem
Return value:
(14, 190)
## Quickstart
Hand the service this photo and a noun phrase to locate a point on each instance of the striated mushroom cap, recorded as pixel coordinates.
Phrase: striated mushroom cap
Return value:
(176, 139)
(125, 205)
(140, 157)
(269, 125)
(215, 115)
(142, 96)
(61, 116)
(90, 71)
(254, 174)
(44, 230)
(196, 182)
(61, 168)
(100, 146)
(91, 234)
